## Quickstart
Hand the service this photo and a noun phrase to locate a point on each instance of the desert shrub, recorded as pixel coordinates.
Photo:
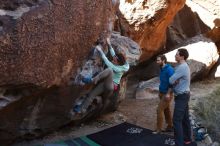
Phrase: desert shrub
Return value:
(208, 111)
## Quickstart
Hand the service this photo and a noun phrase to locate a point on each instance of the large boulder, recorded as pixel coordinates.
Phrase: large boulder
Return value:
(43, 44)
(41, 40)
(186, 24)
(46, 109)
(146, 22)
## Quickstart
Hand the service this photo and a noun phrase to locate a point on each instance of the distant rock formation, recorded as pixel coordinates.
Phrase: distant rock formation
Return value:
(146, 23)
(186, 24)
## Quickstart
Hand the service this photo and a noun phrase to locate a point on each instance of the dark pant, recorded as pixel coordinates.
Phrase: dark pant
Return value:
(105, 88)
(181, 122)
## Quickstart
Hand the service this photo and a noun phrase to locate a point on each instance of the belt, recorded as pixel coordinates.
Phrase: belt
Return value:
(185, 92)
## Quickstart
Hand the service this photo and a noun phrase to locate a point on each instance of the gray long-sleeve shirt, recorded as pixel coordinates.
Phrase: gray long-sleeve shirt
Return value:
(181, 79)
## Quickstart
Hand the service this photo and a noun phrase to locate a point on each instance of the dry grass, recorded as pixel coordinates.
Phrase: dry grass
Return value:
(208, 110)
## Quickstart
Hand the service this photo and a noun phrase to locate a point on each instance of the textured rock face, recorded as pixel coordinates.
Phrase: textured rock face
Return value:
(34, 115)
(43, 43)
(146, 22)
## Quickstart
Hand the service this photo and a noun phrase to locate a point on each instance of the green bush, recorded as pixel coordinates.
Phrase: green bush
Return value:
(208, 110)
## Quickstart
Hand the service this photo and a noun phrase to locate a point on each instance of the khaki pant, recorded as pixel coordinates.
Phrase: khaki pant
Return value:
(164, 109)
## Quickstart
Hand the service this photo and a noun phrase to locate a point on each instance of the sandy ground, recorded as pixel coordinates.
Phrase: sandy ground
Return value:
(141, 112)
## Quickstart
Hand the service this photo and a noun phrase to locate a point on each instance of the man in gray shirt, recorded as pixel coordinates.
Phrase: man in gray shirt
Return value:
(181, 86)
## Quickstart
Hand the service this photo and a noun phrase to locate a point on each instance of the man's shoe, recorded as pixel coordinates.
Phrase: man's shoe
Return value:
(77, 109)
(187, 142)
(190, 143)
(169, 130)
(156, 132)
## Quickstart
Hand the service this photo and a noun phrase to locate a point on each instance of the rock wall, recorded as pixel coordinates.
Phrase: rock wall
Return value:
(43, 42)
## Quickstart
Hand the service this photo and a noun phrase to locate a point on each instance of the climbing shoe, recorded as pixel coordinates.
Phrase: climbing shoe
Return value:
(87, 80)
(77, 109)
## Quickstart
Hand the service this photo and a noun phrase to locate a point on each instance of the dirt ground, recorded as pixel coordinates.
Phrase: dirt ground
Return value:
(140, 112)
